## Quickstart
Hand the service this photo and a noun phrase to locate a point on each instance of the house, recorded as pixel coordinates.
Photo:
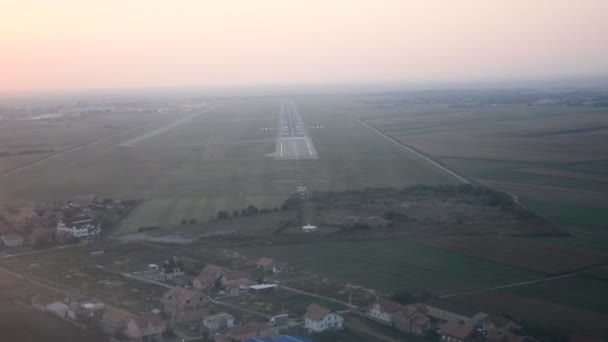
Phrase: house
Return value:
(12, 239)
(452, 331)
(209, 277)
(280, 267)
(412, 319)
(80, 228)
(147, 327)
(184, 305)
(450, 311)
(382, 310)
(172, 268)
(496, 322)
(41, 301)
(264, 264)
(218, 322)
(251, 329)
(82, 311)
(114, 320)
(496, 335)
(318, 319)
(57, 308)
(235, 283)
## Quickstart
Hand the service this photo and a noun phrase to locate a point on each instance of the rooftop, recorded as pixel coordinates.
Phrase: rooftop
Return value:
(453, 307)
(456, 329)
(316, 312)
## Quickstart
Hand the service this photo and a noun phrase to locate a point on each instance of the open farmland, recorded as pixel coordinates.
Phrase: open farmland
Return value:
(189, 165)
(524, 253)
(562, 318)
(394, 265)
(582, 291)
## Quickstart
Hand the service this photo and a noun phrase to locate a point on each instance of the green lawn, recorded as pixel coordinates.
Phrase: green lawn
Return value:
(394, 265)
(582, 292)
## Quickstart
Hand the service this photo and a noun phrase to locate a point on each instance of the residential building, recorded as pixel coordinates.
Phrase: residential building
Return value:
(148, 327)
(412, 319)
(41, 301)
(496, 322)
(251, 329)
(12, 239)
(281, 267)
(114, 320)
(218, 322)
(209, 277)
(79, 228)
(184, 305)
(172, 268)
(453, 331)
(450, 311)
(495, 335)
(264, 264)
(236, 283)
(58, 308)
(318, 319)
(382, 310)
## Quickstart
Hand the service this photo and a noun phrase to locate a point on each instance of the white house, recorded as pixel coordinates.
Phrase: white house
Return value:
(147, 327)
(81, 228)
(383, 310)
(218, 322)
(12, 240)
(318, 319)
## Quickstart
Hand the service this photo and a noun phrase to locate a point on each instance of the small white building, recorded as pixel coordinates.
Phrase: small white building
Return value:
(217, 322)
(80, 228)
(57, 308)
(12, 240)
(318, 319)
(148, 327)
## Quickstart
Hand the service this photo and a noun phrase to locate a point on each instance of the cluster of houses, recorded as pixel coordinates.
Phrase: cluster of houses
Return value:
(44, 223)
(454, 322)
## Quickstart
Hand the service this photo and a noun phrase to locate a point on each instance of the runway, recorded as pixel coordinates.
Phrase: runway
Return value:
(293, 141)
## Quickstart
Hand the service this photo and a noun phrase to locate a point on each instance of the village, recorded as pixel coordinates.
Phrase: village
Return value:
(238, 299)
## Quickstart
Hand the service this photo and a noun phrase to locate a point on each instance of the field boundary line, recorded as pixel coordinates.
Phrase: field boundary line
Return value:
(409, 149)
(525, 282)
(348, 305)
(166, 127)
(60, 153)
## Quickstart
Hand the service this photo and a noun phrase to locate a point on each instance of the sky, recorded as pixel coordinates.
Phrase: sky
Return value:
(99, 44)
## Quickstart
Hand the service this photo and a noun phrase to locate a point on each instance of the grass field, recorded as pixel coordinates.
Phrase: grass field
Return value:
(216, 160)
(558, 318)
(394, 265)
(520, 252)
(581, 292)
(584, 220)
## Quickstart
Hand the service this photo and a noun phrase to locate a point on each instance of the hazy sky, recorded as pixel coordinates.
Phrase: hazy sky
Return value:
(75, 44)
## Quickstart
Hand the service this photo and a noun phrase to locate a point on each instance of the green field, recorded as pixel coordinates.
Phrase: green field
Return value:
(217, 160)
(582, 292)
(394, 265)
(583, 220)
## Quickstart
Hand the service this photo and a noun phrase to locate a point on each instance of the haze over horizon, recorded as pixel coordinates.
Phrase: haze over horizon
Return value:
(70, 44)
